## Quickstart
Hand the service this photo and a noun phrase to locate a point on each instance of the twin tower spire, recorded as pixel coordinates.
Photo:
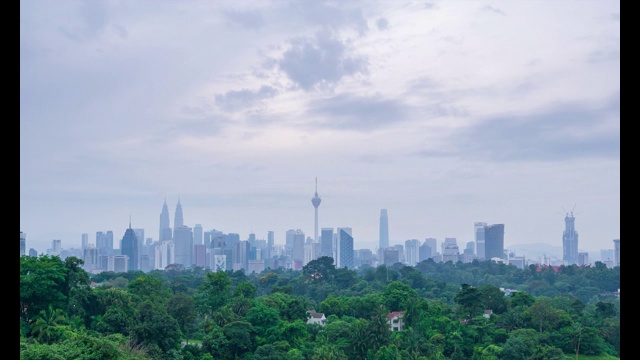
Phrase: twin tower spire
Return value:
(165, 227)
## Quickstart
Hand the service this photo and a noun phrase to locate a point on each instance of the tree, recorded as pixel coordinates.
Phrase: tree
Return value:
(493, 298)
(154, 325)
(245, 289)
(240, 336)
(469, 300)
(182, 307)
(45, 325)
(320, 269)
(43, 281)
(396, 295)
(213, 292)
(147, 287)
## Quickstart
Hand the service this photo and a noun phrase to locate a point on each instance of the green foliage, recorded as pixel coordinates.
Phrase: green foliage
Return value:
(263, 316)
(43, 283)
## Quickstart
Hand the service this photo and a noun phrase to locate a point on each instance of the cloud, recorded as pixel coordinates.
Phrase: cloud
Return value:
(320, 61)
(563, 133)
(330, 17)
(493, 10)
(382, 23)
(357, 113)
(250, 19)
(239, 99)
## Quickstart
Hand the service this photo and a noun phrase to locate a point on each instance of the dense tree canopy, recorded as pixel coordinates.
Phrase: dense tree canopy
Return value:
(193, 313)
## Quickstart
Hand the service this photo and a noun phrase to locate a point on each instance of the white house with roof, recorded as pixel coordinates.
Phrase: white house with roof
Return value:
(395, 320)
(316, 318)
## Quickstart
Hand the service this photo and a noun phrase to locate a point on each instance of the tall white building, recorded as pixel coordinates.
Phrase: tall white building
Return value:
(56, 247)
(296, 239)
(164, 254)
(450, 250)
(478, 230)
(616, 252)
(183, 245)
(84, 241)
(384, 229)
(197, 235)
(23, 243)
(411, 252)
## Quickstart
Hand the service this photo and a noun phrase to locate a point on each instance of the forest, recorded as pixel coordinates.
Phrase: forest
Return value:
(481, 310)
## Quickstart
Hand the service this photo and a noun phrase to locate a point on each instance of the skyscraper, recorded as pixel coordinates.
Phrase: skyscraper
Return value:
(494, 241)
(129, 247)
(178, 219)
(183, 245)
(197, 234)
(384, 229)
(478, 228)
(570, 240)
(411, 251)
(326, 242)
(23, 243)
(296, 239)
(616, 252)
(316, 202)
(165, 227)
(84, 242)
(345, 248)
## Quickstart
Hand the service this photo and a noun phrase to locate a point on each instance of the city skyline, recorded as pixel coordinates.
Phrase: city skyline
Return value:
(445, 113)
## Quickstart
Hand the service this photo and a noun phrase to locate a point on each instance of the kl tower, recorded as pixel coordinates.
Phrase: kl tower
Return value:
(316, 202)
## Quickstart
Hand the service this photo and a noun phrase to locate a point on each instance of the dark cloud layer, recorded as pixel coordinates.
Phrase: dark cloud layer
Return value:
(565, 133)
(239, 99)
(249, 19)
(357, 113)
(322, 60)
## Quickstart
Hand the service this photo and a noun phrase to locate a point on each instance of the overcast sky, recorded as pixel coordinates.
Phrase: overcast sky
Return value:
(444, 113)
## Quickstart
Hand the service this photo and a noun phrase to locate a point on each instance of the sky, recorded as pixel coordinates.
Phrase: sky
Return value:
(445, 113)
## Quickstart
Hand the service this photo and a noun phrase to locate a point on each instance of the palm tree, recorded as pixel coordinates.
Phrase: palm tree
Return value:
(47, 322)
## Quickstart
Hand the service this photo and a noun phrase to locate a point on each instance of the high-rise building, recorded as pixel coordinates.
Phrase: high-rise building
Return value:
(425, 252)
(140, 236)
(241, 257)
(270, 242)
(616, 252)
(178, 219)
(570, 240)
(296, 239)
(199, 255)
(197, 234)
(90, 257)
(384, 229)
(183, 245)
(391, 255)
(433, 244)
(84, 241)
(345, 248)
(411, 251)
(165, 227)
(104, 242)
(315, 200)
(326, 242)
(23, 243)
(478, 228)
(494, 241)
(129, 248)
(450, 250)
(56, 247)
(164, 254)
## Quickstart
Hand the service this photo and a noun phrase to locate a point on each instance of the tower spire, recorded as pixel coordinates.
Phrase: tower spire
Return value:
(316, 202)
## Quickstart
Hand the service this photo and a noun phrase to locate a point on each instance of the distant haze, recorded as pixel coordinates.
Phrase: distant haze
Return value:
(445, 113)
